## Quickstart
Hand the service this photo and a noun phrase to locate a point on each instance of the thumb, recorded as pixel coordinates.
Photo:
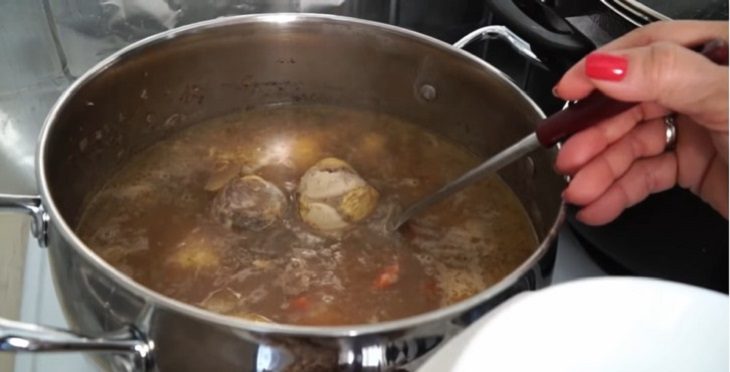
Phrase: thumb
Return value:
(673, 76)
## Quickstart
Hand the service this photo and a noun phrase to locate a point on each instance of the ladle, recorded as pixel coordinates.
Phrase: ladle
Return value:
(585, 113)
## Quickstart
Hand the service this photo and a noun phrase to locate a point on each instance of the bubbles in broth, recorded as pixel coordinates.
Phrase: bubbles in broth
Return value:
(153, 220)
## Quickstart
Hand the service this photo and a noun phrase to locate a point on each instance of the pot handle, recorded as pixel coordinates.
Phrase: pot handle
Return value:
(24, 337)
(499, 32)
(31, 205)
(558, 44)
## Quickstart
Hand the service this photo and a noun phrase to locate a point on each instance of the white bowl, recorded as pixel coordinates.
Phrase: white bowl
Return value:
(596, 325)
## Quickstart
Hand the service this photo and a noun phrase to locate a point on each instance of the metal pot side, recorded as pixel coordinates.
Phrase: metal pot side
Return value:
(172, 80)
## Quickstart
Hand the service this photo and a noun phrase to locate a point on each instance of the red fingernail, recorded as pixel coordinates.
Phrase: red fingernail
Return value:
(603, 66)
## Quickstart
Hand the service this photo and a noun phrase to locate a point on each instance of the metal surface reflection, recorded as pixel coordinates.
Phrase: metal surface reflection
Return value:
(47, 44)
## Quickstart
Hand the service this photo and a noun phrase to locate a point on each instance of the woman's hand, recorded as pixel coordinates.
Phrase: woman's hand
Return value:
(622, 160)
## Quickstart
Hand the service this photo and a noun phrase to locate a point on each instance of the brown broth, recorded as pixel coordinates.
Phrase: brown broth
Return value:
(152, 221)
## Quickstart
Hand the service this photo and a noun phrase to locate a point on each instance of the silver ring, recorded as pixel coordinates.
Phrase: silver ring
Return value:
(670, 132)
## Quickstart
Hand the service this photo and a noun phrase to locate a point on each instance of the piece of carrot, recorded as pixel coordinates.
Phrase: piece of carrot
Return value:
(430, 289)
(387, 277)
(301, 303)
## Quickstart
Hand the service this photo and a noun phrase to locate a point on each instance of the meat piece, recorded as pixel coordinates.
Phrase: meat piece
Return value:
(248, 203)
(332, 196)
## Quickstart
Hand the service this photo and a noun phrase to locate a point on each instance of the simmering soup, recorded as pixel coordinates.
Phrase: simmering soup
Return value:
(229, 215)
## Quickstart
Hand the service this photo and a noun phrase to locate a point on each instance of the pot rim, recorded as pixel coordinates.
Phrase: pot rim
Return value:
(239, 323)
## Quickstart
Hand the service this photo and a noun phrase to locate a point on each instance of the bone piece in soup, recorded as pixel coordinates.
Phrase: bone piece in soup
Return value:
(248, 203)
(332, 196)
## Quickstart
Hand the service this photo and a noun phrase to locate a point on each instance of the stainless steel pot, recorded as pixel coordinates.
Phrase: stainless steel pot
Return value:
(172, 80)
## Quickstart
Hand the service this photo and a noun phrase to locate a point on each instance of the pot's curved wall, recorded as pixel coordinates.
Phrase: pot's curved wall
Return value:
(240, 64)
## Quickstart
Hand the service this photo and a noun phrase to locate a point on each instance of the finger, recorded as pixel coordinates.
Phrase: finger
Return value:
(645, 177)
(673, 77)
(695, 150)
(645, 140)
(714, 188)
(701, 168)
(582, 147)
(575, 84)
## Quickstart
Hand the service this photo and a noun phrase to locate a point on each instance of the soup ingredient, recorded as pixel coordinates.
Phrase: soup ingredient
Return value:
(248, 203)
(223, 173)
(194, 252)
(301, 303)
(332, 196)
(173, 218)
(387, 277)
(252, 317)
(227, 301)
(222, 301)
